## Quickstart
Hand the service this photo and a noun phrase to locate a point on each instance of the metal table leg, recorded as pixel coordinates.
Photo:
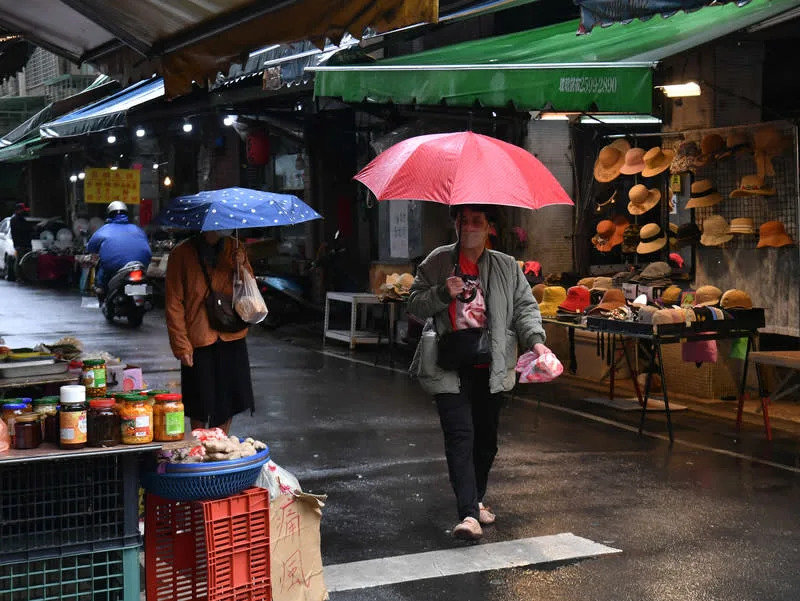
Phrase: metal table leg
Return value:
(647, 382)
(612, 373)
(740, 408)
(664, 390)
(633, 372)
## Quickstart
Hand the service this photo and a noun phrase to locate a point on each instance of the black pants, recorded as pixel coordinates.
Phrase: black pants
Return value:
(469, 422)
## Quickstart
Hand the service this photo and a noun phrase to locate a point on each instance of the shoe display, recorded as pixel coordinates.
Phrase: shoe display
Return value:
(468, 529)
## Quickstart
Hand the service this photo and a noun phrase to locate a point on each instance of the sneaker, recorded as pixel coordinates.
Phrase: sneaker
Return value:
(486, 517)
(468, 529)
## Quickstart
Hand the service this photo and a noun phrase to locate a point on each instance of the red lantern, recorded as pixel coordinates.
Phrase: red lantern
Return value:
(258, 148)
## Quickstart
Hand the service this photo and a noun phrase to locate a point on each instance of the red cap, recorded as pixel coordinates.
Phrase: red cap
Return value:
(578, 298)
(21, 205)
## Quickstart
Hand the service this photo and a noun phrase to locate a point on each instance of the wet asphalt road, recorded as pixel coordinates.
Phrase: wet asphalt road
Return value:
(693, 524)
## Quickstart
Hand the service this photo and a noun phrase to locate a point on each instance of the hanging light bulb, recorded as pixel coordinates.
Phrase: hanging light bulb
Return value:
(155, 165)
(229, 120)
(140, 132)
(111, 138)
(187, 127)
(73, 178)
(81, 175)
(167, 181)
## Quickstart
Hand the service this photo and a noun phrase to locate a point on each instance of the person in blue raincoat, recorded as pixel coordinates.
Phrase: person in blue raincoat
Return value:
(118, 242)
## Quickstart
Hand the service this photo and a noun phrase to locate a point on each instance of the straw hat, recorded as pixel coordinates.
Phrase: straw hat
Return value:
(753, 185)
(736, 143)
(610, 160)
(577, 300)
(634, 162)
(603, 283)
(686, 158)
(652, 239)
(609, 233)
(707, 296)
(768, 143)
(742, 225)
(716, 231)
(671, 296)
(703, 195)
(736, 299)
(588, 282)
(642, 199)
(612, 299)
(538, 292)
(710, 146)
(657, 161)
(773, 233)
(553, 296)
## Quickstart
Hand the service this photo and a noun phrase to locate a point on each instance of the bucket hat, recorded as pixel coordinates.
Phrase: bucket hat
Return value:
(577, 300)
(612, 299)
(686, 158)
(642, 199)
(742, 225)
(657, 161)
(710, 146)
(652, 239)
(768, 143)
(773, 233)
(671, 295)
(552, 297)
(736, 299)
(736, 143)
(703, 195)
(707, 296)
(715, 231)
(699, 351)
(538, 292)
(603, 283)
(688, 234)
(630, 238)
(610, 160)
(634, 162)
(751, 185)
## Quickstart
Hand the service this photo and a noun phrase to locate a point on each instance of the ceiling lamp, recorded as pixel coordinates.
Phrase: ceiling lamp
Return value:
(187, 127)
(111, 138)
(680, 90)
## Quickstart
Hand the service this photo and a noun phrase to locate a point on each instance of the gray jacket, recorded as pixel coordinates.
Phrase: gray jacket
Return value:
(513, 317)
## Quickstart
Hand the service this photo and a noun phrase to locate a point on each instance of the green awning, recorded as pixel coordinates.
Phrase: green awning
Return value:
(22, 151)
(609, 70)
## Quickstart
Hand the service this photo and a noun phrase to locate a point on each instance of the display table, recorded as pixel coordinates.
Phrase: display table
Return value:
(60, 379)
(69, 523)
(355, 335)
(786, 359)
(745, 325)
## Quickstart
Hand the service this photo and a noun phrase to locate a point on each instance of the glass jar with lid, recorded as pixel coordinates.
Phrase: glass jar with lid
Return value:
(93, 377)
(168, 423)
(136, 420)
(103, 424)
(152, 394)
(19, 401)
(47, 410)
(10, 413)
(27, 431)
(72, 417)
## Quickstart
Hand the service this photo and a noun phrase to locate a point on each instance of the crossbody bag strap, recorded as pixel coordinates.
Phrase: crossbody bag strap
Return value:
(203, 266)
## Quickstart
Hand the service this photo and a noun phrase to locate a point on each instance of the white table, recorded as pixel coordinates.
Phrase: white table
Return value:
(355, 335)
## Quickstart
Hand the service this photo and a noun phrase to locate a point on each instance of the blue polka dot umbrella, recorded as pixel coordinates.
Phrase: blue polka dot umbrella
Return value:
(235, 208)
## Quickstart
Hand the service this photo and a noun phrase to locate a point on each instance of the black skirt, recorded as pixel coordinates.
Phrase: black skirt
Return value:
(218, 386)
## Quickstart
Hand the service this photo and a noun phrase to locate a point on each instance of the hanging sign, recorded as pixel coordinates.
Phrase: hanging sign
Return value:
(398, 229)
(105, 185)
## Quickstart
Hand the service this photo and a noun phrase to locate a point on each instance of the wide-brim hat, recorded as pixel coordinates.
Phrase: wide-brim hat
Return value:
(606, 240)
(657, 160)
(710, 146)
(652, 239)
(703, 195)
(773, 233)
(716, 231)
(642, 199)
(769, 143)
(736, 143)
(634, 162)
(610, 160)
(685, 158)
(751, 185)
(742, 225)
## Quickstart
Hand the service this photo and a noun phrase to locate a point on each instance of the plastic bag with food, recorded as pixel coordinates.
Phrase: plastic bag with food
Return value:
(247, 299)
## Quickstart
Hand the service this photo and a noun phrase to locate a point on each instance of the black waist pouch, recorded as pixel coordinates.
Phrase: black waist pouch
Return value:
(464, 348)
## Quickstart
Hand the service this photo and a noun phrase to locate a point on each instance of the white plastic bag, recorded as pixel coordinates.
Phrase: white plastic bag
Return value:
(277, 480)
(247, 299)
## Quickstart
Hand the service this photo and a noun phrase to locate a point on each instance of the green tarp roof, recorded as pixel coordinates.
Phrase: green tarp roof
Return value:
(22, 151)
(551, 67)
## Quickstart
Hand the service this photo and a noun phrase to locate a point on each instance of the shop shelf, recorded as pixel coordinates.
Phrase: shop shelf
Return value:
(208, 550)
(111, 575)
(70, 505)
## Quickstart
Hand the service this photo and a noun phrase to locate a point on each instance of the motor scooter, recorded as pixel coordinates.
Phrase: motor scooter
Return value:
(127, 295)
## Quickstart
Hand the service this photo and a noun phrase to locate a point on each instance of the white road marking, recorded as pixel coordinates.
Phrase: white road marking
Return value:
(463, 560)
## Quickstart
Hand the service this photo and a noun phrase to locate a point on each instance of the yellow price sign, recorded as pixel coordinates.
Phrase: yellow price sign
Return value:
(104, 185)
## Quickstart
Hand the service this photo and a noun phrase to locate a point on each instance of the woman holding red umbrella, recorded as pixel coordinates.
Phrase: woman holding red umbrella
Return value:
(477, 311)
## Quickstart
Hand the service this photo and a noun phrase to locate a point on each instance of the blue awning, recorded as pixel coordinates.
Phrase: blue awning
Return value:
(105, 114)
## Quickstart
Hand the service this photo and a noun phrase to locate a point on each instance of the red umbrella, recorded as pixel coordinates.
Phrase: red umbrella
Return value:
(462, 168)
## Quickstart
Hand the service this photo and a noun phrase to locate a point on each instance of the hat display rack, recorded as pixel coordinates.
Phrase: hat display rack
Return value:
(639, 198)
(736, 170)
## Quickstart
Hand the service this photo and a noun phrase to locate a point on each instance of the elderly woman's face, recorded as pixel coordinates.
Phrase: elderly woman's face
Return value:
(474, 228)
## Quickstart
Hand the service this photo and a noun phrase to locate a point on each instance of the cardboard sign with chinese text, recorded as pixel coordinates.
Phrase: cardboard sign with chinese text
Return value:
(105, 185)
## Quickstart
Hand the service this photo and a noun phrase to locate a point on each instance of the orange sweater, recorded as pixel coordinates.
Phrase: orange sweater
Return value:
(187, 320)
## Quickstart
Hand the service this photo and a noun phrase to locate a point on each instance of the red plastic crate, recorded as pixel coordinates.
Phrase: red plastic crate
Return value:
(208, 550)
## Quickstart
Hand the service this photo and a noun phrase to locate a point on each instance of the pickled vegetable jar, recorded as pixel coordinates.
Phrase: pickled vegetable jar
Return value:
(27, 431)
(136, 420)
(168, 418)
(104, 428)
(47, 410)
(152, 394)
(11, 411)
(93, 377)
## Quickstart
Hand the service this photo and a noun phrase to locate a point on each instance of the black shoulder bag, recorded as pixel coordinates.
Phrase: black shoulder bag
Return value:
(219, 307)
(468, 347)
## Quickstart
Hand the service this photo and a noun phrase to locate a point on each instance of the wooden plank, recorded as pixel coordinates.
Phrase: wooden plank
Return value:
(790, 359)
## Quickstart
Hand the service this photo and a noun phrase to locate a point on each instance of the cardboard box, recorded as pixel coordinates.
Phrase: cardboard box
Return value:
(295, 557)
(123, 378)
